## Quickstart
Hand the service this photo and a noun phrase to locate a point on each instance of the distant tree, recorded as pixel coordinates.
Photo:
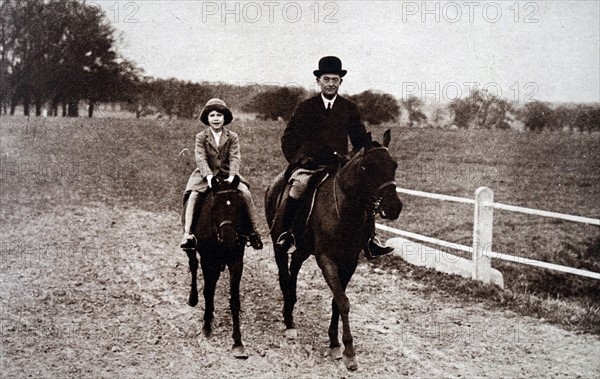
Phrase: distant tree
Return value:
(275, 102)
(377, 108)
(535, 115)
(496, 114)
(582, 117)
(466, 111)
(7, 59)
(440, 117)
(587, 117)
(481, 110)
(192, 96)
(413, 106)
(563, 118)
(62, 51)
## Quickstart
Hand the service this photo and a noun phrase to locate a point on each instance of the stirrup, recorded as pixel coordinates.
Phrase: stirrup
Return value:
(285, 241)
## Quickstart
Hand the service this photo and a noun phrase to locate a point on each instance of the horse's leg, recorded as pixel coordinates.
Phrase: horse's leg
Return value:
(235, 274)
(298, 259)
(335, 350)
(193, 262)
(211, 275)
(281, 258)
(332, 277)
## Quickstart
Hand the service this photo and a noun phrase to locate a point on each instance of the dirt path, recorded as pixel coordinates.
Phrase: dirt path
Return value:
(101, 291)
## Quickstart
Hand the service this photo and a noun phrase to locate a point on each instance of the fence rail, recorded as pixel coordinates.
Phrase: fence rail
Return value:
(537, 212)
(481, 250)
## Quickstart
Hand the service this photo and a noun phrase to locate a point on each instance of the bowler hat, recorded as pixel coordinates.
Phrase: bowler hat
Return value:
(215, 105)
(330, 65)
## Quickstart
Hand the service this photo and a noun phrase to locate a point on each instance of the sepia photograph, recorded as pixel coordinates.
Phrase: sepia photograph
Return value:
(299, 189)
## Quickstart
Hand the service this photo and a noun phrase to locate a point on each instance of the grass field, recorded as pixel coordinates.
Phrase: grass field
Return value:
(144, 164)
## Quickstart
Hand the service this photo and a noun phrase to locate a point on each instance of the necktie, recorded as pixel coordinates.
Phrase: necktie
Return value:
(328, 107)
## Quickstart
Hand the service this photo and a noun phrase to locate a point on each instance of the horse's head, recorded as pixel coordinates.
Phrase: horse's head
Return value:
(370, 174)
(228, 213)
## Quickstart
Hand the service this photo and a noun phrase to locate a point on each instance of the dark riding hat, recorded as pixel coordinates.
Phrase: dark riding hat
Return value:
(330, 65)
(216, 105)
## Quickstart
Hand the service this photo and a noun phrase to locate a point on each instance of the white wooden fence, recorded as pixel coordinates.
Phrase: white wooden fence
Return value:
(481, 249)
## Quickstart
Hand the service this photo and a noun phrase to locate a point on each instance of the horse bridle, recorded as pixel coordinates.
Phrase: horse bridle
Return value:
(373, 202)
(218, 228)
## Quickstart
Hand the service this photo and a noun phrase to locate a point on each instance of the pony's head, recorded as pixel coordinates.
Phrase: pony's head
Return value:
(228, 213)
(370, 175)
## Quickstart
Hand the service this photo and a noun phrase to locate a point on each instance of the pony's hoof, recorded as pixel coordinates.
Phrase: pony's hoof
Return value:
(193, 300)
(291, 334)
(239, 352)
(335, 352)
(207, 331)
(350, 363)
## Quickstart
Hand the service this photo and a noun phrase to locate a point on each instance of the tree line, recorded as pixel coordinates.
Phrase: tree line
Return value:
(477, 111)
(59, 54)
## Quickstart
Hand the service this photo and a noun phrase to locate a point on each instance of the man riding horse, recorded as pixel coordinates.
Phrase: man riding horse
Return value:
(316, 138)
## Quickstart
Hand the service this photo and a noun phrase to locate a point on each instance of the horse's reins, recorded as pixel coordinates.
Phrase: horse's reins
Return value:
(358, 199)
(226, 222)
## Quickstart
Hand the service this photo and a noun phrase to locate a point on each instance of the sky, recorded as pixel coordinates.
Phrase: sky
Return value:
(436, 50)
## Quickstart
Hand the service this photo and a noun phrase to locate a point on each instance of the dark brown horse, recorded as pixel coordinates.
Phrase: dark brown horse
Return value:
(335, 232)
(221, 233)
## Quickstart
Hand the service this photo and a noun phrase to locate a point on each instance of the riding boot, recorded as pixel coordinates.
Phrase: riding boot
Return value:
(286, 222)
(373, 247)
(254, 236)
(193, 206)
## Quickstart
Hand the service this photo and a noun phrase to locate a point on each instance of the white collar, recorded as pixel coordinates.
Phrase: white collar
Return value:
(217, 135)
(326, 101)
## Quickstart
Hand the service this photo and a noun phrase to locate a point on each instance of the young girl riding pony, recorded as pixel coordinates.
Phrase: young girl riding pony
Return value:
(217, 152)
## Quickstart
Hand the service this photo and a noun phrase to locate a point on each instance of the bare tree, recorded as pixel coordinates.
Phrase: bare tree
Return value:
(413, 106)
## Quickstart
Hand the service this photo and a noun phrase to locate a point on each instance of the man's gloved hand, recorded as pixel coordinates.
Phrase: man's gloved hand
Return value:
(230, 179)
(209, 180)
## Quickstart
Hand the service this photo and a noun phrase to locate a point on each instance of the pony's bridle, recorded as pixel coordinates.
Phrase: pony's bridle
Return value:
(240, 237)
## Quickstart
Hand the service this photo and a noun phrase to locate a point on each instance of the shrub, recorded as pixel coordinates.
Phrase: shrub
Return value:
(377, 108)
(536, 115)
(275, 102)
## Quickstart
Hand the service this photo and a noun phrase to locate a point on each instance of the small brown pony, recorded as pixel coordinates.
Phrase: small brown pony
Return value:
(335, 231)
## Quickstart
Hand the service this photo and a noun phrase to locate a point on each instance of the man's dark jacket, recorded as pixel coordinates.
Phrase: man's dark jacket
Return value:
(317, 133)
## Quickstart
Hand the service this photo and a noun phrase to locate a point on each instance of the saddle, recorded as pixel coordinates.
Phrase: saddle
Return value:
(307, 201)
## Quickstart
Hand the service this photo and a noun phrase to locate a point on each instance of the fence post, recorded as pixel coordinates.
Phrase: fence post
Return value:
(482, 233)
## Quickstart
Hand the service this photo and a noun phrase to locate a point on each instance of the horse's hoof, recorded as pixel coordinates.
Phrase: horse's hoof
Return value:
(239, 352)
(335, 352)
(291, 334)
(350, 363)
(207, 332)
(193, 300)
